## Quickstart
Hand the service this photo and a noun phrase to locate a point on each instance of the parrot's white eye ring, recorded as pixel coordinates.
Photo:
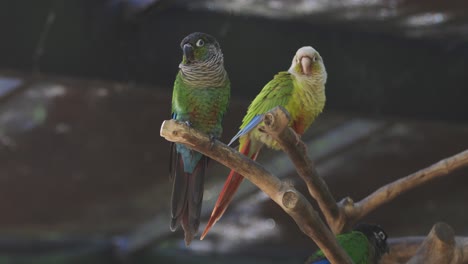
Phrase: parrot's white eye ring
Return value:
(381, 235)
(200, 43)
(314, 59)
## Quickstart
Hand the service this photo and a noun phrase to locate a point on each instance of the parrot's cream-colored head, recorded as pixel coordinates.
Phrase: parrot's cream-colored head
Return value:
(309, 64)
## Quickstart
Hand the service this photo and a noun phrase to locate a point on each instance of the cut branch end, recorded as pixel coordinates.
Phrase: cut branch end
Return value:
(276, 121)
(438, 247)
(290, 199)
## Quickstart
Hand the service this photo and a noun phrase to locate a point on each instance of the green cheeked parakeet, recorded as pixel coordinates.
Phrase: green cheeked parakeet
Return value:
(366, 244)
(301, 91)
(200, 98)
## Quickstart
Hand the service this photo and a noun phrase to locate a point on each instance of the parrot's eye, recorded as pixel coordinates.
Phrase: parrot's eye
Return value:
(200, 43)
(381, 235)
(314, 59)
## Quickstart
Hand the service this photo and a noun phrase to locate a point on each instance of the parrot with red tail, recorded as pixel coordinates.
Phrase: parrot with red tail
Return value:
(301, 91)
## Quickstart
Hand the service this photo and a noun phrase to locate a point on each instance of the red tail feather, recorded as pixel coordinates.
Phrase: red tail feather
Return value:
(227, 193)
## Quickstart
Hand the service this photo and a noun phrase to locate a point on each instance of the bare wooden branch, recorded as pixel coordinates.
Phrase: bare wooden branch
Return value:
(402, 249)
(387, 193)
(440, 247)
(342, 216)
(276, 125)
(290, 200)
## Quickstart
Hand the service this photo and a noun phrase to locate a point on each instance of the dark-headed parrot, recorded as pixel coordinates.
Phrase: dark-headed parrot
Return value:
(200, 98)
(366, 244)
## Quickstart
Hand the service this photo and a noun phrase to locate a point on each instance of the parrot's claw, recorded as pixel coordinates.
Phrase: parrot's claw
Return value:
(298, 143)
(212, 141)
(298, 138)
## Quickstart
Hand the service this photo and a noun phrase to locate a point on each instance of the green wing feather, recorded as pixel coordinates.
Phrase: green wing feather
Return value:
(275, 93)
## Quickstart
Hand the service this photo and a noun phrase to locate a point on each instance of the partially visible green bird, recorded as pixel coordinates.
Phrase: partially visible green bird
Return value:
(301, 91)
(200, 98)
(366, 244)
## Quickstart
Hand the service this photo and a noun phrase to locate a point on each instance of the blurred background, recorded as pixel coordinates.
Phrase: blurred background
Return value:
(86, 84)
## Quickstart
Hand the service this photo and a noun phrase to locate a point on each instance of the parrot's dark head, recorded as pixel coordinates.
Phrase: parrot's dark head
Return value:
(308, 63)
(200, 47)
(376, 236)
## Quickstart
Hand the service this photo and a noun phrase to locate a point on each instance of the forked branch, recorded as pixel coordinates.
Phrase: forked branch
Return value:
(339, 216)
(276, 124)
(342, 216)
(290, 200)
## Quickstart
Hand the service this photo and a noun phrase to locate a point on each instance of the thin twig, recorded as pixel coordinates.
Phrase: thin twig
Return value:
(387, 193)
(290, 200)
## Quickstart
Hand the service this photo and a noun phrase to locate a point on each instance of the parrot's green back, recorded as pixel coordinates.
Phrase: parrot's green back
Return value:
(354, 243)
(365, 245)
(304, 101)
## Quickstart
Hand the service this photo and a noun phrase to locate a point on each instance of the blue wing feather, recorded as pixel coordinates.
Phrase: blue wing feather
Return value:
(251, 125)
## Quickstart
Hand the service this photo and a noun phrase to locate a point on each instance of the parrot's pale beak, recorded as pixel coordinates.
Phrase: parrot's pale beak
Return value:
(306, 64)
(188, 52)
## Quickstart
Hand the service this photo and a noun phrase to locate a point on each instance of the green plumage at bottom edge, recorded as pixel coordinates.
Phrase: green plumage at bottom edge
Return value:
(355, 244)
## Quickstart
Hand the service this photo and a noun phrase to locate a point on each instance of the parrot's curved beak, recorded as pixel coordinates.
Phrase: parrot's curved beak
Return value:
(188, 52)
(306, 65)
